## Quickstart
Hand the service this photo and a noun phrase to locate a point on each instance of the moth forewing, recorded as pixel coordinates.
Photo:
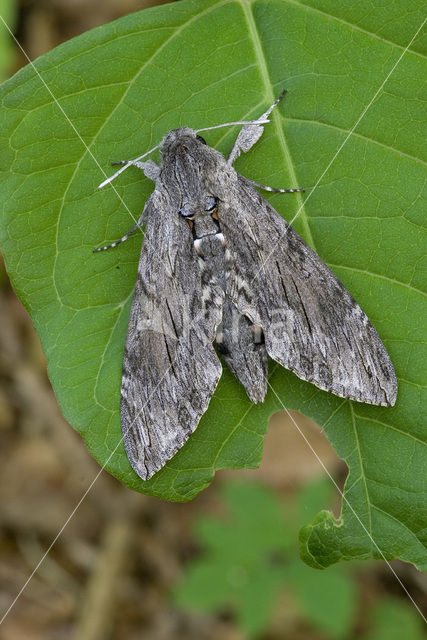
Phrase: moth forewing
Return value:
(220, 268)
(312, 325)
(169, 371)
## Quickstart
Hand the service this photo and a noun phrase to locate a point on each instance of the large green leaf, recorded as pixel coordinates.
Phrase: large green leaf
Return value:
(113, 93)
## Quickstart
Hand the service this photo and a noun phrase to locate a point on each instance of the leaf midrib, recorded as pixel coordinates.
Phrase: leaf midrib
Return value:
(271, 97)
(367, 528)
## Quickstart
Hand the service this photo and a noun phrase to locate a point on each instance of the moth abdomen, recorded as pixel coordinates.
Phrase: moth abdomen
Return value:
(240, 343)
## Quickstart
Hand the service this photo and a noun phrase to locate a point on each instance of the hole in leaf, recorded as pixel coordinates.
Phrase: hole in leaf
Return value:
(288, 458)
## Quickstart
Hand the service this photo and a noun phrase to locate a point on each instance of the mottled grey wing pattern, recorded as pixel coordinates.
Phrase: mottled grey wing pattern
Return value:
(311, 324)
(170, 367)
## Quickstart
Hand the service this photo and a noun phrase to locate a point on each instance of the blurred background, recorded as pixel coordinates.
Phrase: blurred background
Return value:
(127, 566)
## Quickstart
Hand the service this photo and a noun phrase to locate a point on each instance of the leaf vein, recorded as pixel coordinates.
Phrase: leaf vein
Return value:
(377, 275)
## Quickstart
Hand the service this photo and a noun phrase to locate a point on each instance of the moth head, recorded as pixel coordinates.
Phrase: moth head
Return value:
(201, 216)
(190, 210)
(177, 136)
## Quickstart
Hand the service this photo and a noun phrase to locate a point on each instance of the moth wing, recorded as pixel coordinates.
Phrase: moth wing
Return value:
(311, 324)
(170, 368)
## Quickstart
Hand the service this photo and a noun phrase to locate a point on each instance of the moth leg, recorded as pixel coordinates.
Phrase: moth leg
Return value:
(250, 133)
(274, 189)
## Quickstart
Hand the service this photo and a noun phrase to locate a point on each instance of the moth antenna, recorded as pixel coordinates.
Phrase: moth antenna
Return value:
(260, 121)
(136, 226)
(274, 189)
(275, 103)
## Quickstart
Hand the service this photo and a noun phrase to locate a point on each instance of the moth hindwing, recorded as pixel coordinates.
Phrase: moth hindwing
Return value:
(221, 271)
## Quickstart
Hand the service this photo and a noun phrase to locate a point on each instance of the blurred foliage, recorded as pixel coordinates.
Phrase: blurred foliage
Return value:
(391, 619)
(250, 557)
(7, 49)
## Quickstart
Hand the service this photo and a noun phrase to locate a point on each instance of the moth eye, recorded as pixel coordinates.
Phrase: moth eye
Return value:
(210, 203)
(200, 139)
(186, 212)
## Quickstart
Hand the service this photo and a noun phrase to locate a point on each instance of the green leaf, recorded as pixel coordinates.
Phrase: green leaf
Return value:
(113, 93)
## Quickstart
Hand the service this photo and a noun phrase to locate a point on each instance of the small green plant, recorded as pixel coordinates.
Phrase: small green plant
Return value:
(249, 557)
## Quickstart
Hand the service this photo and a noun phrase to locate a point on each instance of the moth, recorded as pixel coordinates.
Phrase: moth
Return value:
(221, 272)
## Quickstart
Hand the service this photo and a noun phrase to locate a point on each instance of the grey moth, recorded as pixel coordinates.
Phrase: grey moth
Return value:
(221, 272)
